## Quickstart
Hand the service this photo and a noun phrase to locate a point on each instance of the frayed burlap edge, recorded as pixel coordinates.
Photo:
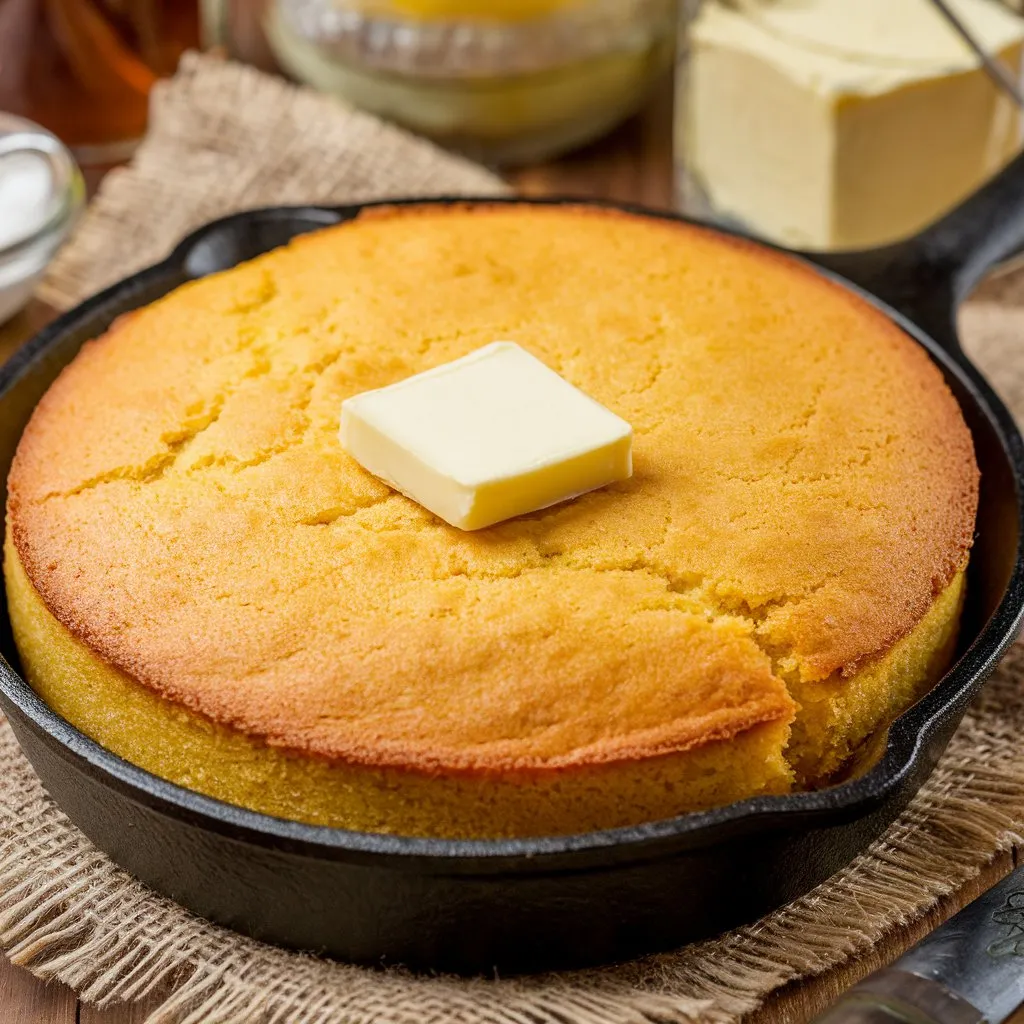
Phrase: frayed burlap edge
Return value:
(227, 138)
(224, 137)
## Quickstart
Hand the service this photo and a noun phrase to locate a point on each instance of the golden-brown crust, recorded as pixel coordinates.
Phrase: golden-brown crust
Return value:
(805, 486)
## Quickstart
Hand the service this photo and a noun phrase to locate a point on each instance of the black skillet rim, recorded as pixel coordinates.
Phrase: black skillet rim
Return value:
(907, 739)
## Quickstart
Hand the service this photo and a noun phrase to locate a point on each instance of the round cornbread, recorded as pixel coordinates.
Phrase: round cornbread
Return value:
(200, 578)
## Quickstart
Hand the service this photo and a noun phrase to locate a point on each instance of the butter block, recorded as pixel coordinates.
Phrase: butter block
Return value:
(484, 438)
(834, 124)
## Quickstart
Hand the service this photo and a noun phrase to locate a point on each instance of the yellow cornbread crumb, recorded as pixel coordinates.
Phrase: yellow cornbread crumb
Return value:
(838, 714)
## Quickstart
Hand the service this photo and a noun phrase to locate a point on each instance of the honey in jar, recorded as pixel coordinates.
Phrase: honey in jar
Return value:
(84, 68)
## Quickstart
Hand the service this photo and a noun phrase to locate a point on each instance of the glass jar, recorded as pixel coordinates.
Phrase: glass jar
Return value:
(507, 81)
(84, 68)
(827, 124)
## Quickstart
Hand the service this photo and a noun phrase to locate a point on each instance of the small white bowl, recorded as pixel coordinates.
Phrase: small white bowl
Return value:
(41, 196)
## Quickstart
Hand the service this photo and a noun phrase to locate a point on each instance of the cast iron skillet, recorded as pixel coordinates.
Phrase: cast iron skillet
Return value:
(555, 901)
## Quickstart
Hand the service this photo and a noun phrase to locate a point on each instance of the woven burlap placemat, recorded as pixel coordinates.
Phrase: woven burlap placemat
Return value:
(225, 138)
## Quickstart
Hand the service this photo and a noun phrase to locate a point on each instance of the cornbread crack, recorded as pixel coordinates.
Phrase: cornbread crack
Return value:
(201, 579)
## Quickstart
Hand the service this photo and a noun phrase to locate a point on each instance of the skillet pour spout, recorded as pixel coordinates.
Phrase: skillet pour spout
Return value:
(546, 902)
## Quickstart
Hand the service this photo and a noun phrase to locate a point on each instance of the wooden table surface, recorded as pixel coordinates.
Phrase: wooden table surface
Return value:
(634, 164)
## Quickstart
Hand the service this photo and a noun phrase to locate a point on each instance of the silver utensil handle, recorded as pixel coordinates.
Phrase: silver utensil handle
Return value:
(993, 67)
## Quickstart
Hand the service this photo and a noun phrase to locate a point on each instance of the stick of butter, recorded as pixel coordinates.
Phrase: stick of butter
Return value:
(489, 436)
(842, 124)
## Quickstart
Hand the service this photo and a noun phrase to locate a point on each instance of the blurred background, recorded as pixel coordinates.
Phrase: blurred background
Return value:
(816, 124)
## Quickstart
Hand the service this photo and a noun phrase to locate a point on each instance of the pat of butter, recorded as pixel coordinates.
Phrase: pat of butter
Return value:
(845, 123)
(492, 435)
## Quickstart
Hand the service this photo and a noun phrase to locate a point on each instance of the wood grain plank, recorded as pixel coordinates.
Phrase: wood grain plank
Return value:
(125, 1013)
(24, 1000)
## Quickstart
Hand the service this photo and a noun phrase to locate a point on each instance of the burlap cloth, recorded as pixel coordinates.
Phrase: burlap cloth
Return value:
(225, 138)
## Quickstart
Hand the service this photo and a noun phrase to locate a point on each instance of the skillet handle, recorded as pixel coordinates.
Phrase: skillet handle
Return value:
(927, 277)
